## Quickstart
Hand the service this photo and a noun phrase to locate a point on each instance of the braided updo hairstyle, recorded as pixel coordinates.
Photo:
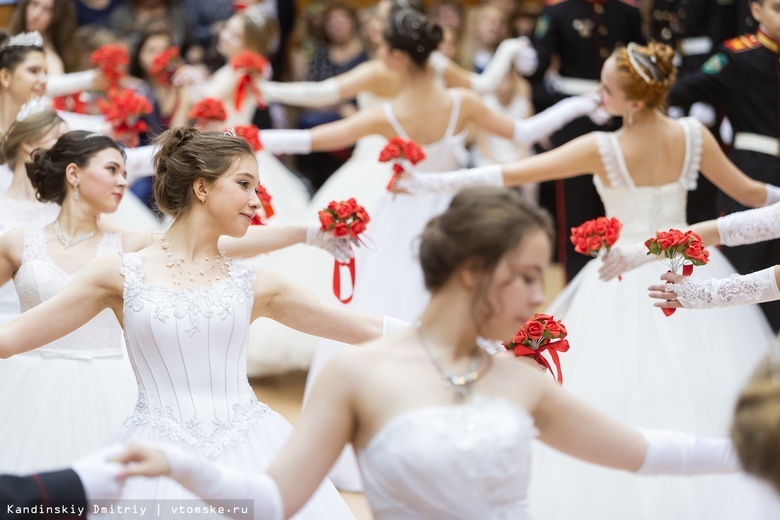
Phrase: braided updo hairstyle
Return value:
(186, 155)
(756, 426)
(412, 33)
(646, 72)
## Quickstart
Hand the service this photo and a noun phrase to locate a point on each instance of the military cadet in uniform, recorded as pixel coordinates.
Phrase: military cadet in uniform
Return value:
(743, 78)
(581, 34)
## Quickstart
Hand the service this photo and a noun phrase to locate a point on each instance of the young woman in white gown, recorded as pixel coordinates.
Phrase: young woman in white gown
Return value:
(186, 308)
(443, 430)
(627, 358)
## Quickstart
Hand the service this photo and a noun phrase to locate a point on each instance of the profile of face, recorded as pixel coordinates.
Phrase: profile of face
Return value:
(101, 182)
(27, 80)
(151, 47)
(231, 200)
(613, 97)
(339, 26)
(490, 26)
(516, 287)
(38, 15)
(767, 13)
(231, 37)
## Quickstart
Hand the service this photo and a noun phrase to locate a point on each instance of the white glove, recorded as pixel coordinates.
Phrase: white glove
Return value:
(526, 58)
(499, 65)
(750, 226)
(215, 483)
(528, 131)
(737, 289)
(339, 247)
(64, 84)
(704, 113)
(302, 94)
(621, 259)
(772, 195)
(139, 162)
(392, 325)
(280, 142)
(438, 62)
(447, 182)
(98, 475)
(599, 115)
(675, 453)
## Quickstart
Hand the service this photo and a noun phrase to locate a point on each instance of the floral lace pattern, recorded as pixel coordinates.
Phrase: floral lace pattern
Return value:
(749, 227)
(723, 292)
(211, 444)
(205, 302)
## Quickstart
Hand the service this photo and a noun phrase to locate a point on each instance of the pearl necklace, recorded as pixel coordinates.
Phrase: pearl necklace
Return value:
(208, 271)
(67, 243)
(461, 384)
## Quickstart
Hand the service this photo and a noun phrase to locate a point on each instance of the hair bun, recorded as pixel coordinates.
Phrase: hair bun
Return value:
(662, 57)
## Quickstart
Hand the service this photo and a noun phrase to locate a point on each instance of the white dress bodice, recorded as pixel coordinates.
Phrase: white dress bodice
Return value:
(643, 210)
(464, 461)
(188, 350)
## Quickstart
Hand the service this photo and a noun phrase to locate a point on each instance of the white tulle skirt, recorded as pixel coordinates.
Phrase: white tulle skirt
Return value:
(627, 359)
(56, 410)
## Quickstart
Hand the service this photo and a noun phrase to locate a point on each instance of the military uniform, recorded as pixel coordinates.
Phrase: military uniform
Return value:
(743, 78)
(582, 34)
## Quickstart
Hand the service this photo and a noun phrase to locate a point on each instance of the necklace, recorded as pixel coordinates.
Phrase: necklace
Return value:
(461, 384)
(212, 270)
(67, 243)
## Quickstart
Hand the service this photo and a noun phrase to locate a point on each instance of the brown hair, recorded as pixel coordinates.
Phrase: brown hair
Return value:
(261, 32)
(756, 426)
(28, 131)
(411, 32)
(12, 55)
(654, 61)
(61, 31)
(482, 223)
(186, 155)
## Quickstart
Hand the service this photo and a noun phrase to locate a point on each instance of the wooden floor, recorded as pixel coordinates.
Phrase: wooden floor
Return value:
(285, 394)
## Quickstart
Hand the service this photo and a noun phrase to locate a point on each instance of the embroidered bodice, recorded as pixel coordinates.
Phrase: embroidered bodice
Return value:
(188, 351)
(39, 278)
(643, 210)
(449, 152)
(464, 461)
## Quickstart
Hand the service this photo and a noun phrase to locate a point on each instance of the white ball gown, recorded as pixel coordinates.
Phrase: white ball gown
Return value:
(66, 399)
(682, 372)
(188, 350)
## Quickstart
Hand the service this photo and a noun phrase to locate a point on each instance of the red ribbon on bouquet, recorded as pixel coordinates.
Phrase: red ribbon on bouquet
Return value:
(541, 332)
(553, 348)
(337, 279)
(344, 219)
(252, 64)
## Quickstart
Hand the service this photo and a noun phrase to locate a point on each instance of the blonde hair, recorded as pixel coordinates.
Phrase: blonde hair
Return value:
(30, 130)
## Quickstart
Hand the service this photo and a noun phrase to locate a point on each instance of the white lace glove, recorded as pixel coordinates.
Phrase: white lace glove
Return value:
(675, 453)
(302, 94)
(339, 247)
(447, 182)
(737, 289)
(621, 259)
(750, 226)
(215, 483)
(280, 142)
(98, 474)
(772, 195)
(528, 131)
(64, 84)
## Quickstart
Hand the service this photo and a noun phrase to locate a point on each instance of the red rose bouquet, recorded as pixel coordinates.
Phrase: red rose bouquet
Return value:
(401, 153)
(165, 64)
(124, 109)
(678, 250)
(542, 332)
(251, 64)
(113, 60)
(250, 134)
(71, 103)
(344, 219)
(596, 235)
(265, 201)
(207, 109)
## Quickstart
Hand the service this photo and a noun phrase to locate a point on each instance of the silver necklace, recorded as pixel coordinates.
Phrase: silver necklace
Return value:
(67, 243)
(460, 383)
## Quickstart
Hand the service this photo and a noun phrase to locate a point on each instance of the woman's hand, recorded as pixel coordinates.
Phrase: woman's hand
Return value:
(142, 460)
(188, 75)
(666, 292)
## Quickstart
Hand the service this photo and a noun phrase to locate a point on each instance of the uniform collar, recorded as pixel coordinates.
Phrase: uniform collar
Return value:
(767, 41)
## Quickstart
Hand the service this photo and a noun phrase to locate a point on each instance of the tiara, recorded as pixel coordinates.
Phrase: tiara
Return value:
(257, 15)
(25, 39)
(648, 64)
(230, 132)
(93, 134)
(34, 106)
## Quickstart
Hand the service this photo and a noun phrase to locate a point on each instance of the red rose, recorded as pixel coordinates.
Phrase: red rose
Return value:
(543, 318)
(361, 214)
(397, 168)
(610, 237)
(520, 336)
(332, 205)
(390, 152)
(554, 329)
(356, 227)
(326, 220)
(340, 229)
(594, 243)
(535, 330)
(343, 211)
(351, 204)
(600, 226)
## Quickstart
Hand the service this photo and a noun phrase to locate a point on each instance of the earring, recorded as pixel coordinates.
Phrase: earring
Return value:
(203, 200)
(76, 192)
(630, 117)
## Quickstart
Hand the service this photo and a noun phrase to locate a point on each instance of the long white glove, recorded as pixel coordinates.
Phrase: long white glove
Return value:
(392, 325)
(139, 162)
(423, 183)
(339, 247)
(621, 259)
(98, 474)
(772, 195)
(303, 93)
(215, 483)
(737, 289)
(286, 141)
(64, 84)
(500, 64)
(674, 453)
(528, 131)
(750, 226)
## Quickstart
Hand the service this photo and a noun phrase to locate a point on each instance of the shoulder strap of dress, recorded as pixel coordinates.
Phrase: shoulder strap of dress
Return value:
(611, 159)
(393, 121)
(454, 114)
(693, 148)
(34, 244)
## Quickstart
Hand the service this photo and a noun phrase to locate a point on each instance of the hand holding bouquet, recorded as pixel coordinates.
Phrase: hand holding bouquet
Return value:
(541, 332)
(124, 109)
(112, 59)
(346, 220)
(401, 153)
(251, 64)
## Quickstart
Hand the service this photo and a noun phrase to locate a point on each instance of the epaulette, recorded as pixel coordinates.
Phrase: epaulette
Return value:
(742, 43)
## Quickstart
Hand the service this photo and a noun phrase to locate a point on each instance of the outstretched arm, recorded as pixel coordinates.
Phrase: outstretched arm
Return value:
(98, 286)
(264, 239)
(742, 227)
(514, 51)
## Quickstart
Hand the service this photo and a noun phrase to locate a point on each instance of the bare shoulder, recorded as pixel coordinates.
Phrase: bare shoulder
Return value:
(107, 272)
(135, 241)
(520, 377)
(469, 99)
(12, 243)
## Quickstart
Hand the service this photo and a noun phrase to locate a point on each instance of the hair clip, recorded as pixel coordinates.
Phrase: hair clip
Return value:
(93, 134)
(230, 132)
(34, 106)
(25, 39)
(648, 63)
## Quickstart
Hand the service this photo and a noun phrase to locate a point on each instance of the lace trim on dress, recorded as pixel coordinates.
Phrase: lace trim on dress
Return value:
(693, 148)
(223, 434)
(609, 160)
(213, 300)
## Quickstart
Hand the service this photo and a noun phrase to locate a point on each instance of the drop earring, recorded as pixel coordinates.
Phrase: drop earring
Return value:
(75, 192)
(630, 117)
